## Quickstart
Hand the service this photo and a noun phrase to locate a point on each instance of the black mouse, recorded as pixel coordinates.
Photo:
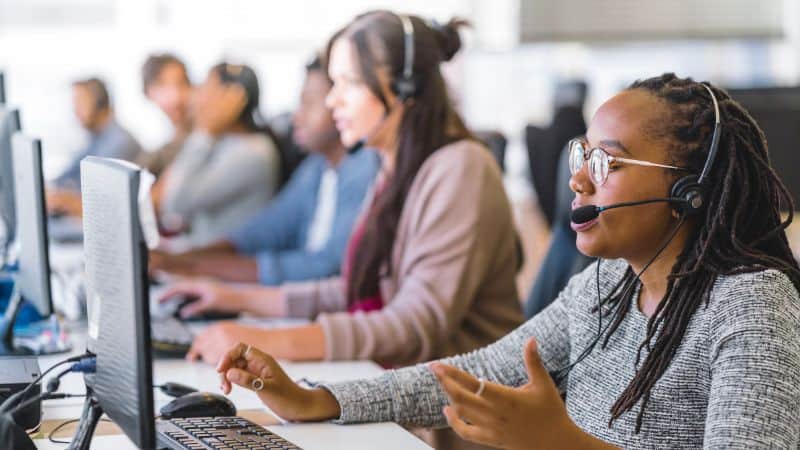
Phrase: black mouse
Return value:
(199, 404)
(204, 316)
(176, 389)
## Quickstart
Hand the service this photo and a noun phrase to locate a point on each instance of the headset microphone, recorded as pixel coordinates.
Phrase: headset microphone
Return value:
(590, 212)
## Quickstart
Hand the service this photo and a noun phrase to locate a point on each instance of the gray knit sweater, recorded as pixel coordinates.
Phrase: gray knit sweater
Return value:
(733, 383)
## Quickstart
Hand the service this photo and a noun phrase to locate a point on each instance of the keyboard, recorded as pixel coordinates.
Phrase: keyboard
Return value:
(170, 337)
(218, 433)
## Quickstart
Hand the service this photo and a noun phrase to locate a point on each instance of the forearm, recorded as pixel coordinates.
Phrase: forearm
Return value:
(227, 267)
(302, 343)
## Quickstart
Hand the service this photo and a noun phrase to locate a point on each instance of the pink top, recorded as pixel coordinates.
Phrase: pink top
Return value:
(374, 303)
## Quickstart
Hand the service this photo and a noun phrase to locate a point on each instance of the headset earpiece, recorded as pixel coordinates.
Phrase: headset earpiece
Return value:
(405, 85)
(691, 192)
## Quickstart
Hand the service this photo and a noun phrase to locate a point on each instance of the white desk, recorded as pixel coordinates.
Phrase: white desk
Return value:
(321, 436)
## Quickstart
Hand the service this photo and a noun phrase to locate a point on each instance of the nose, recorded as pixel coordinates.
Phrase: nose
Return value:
(332, 99)
(580, 183)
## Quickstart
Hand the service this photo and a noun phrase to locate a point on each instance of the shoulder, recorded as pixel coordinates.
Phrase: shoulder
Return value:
(464, 154)
(255, 145)
(364, 161)
(464, 164)
(758, 298)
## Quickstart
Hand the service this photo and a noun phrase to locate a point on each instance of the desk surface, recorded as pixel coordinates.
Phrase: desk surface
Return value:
(203, 377)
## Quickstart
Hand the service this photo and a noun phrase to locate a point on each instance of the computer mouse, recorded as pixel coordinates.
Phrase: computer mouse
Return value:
(176, 389)
(199, 404)
(204, 316)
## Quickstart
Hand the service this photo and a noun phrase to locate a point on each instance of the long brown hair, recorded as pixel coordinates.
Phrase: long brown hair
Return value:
(429, 122)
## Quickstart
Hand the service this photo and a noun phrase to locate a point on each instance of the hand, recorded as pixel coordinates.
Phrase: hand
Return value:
(65, 202)
(213, 342)
(206, 296)
(505, 417)
(162, 261)
(216, 109)
(243, 364)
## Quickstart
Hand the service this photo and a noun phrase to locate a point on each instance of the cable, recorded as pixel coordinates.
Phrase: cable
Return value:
(42, 397)
(560, 374)
(62, 425)
(79, 359)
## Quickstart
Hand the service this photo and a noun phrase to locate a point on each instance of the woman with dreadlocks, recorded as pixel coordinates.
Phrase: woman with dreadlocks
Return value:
(684, 334)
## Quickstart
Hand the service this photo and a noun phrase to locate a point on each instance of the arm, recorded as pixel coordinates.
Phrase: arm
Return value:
(277, 227)
(413, 396)
(299, 264)
(195, 185)
(456, 220)
(755, 366)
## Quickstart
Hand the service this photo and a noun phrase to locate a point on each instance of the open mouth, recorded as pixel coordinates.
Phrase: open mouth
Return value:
(578, 227)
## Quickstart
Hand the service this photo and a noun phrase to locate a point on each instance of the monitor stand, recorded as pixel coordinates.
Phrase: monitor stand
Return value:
(7, 341)
(92, 411)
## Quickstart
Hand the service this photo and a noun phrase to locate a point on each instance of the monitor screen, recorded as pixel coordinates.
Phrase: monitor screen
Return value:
(117, 296)
(9, 124)
(34, 260)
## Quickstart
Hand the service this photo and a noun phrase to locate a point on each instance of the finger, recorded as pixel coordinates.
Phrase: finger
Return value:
(466, 380)
(176, 290)
(196, 307)
(230, 357)
(194, 352)
(537, 373)
(469, 432)
(245, 379)
(458, 395)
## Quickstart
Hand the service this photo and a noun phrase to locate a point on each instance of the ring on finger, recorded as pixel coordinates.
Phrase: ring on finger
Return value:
(257, 384)
(481, 386)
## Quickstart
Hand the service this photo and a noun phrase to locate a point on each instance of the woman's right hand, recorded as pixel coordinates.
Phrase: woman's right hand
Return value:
(244, 365)
(206, 296)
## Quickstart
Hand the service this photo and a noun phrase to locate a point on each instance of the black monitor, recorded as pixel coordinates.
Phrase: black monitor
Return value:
(117, 298)
(2, 88)
(777, 111)
(9, 124)
(32, 278)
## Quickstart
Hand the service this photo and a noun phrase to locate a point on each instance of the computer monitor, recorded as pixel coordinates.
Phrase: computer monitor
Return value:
(9, 124)
(117, 297)
(777, 111)
(32, 277)
(2, 88)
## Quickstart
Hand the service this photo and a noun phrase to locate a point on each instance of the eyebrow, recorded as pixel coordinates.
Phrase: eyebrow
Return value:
(616, 144)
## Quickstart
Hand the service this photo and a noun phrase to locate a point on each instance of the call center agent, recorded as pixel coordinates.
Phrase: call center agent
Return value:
(430, 267)
(229, 166)
(701, 349)
(302, 234)
(165, 82)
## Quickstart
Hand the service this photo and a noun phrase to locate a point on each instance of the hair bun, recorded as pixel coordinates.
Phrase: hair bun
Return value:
(447, 36)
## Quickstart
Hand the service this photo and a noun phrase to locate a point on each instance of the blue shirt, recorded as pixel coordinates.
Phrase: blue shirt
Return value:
(278, 235)
(112, 141)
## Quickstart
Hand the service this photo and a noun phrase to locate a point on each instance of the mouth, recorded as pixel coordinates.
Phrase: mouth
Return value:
(579, 227)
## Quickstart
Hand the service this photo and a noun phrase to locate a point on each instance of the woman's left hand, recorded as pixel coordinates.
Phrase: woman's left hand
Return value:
(216, 340)
(530, 416)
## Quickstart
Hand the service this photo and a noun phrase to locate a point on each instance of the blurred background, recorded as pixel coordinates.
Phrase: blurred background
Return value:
(523, 59)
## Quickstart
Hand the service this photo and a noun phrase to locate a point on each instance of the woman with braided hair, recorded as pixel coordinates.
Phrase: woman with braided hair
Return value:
(684, 334)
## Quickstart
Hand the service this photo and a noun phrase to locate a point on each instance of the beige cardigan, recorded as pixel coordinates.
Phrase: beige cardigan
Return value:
(452, 289)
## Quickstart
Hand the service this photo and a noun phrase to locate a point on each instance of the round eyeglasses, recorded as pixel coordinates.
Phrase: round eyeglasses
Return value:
(600, 161)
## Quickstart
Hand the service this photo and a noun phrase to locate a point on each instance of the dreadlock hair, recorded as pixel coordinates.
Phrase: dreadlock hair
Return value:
(740, 230)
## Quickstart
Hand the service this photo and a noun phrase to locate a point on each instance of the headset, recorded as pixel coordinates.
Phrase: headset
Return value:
(691, 189)
(406, 85)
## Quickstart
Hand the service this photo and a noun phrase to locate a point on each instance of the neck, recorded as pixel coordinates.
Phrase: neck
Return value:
(654, 279)
(103, 119)
(335, 153)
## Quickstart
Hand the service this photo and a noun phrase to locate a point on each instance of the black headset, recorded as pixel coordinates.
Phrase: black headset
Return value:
(405, 85)
(692, 188)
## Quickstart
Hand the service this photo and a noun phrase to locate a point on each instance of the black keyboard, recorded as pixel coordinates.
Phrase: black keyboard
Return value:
(218, 433)
(170, 337)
